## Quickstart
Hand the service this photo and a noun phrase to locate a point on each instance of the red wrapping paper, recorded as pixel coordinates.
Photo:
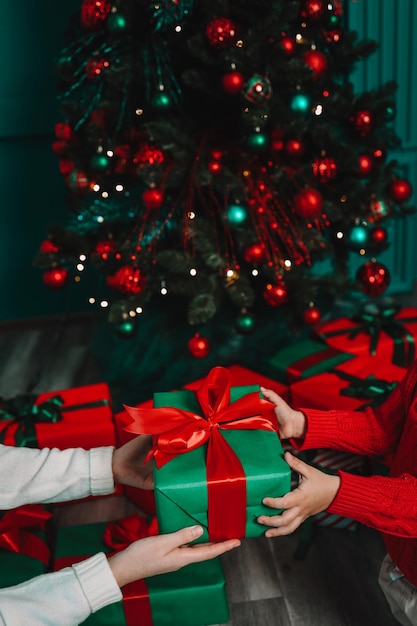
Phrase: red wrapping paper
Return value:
(360, 343)
(85, 427)
(324, 390)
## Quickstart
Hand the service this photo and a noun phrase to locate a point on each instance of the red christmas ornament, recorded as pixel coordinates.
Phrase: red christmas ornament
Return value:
(373, 277)
(308, 203)
(379, 155)
(366, 165)
(48, 247)
(55, 278)
(148, 155)
(60, 148)
(333, 36)
(214, 167)
(400, 190)
(64, 131)
(317, 61)
(277, 294)
(311, 316)
(93, 13)
(313, 10)
(255, 253)
(105, 248)
(127, 279)
(277, 140)
(363, 122)
(153, 198)
(288, 45)
(325, 169)
(66, 167)
(199, 346)
(233, 82)
(294, 148)
(221, 32)
(95, 66)
(378, 235)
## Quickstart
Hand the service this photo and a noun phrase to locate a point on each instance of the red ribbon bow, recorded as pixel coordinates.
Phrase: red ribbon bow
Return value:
(179, 431)
(15, 532)
(120, 534)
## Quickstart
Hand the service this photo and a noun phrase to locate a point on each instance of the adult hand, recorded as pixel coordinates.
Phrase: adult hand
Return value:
(164, 553)
(292, 423)
(315, 492)
(129, 466)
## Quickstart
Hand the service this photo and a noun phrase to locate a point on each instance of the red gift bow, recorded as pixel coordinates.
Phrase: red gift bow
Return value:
(180, 431)
(15, 532)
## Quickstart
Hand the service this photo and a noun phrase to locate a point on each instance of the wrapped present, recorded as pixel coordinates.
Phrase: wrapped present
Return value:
(24, 552)
(143, 498)
(77, 417)
(351, 386)
(192, 596)
(387, 333)
(303, 359)
(217, 454)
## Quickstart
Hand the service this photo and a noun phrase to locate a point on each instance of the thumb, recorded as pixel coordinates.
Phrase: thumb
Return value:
(296, 464)
(185, 535)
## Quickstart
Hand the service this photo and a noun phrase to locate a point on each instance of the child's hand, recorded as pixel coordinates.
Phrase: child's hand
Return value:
(315, 492)
(291, 423)
(129, 466)
(164, 553)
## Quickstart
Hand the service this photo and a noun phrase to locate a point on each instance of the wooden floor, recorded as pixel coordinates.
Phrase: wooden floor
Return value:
(334, 585)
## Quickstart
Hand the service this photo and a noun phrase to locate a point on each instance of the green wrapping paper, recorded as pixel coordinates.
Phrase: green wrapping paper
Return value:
(18, 568)
(192, 596)
(181, 494)
(304, 359)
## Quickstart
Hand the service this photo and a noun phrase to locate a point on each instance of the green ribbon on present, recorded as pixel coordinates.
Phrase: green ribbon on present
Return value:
(23, 411)
(376, 390)
(373, 319)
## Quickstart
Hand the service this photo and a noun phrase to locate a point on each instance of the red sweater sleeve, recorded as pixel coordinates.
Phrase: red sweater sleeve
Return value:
(372, 431)
(386, 504)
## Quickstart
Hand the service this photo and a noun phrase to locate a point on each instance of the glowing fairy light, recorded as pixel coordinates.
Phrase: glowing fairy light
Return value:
(104, 304)
(91, 300)
(193, 271)
(255, 272)
(119, 187)
(139, 309)
(80, 267)
(100, 219)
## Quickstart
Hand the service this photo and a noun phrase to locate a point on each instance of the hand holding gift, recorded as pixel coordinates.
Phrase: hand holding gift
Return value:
(130, 463)
(292, 423)
(164, 553)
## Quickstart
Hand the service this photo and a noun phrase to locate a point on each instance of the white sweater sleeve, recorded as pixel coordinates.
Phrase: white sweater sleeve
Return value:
(64, 598)
(29, 476)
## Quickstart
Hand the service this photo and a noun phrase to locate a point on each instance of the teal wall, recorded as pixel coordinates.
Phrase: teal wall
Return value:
(31, 187)
(32, 190)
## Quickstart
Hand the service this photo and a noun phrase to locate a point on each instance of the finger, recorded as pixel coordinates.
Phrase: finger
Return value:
(183, 536)
(282, 531)
(279, 520)
(203, 552)
(270, 395)
(297, 464)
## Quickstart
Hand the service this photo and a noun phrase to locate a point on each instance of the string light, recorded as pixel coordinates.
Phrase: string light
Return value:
(139, 309)
(91, 300)
(164, 290)
(80, 267)
(255, 272)
(82, 257)
(104, 304)
(119, 187)
(100, 219)
(193, 271)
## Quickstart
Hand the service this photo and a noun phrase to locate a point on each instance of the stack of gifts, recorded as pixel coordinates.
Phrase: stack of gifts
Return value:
(192, 596)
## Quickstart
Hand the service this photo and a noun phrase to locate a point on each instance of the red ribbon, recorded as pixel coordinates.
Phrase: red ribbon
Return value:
(15, 532)
(178, 430)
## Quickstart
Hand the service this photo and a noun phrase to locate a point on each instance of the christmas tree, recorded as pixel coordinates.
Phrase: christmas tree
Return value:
(220, 166)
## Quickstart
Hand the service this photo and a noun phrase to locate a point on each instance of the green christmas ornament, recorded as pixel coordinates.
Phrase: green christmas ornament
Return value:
(300, 103)
(258, 89)
(257, 142)
(358, 236)
(117, 23)
(245, 323)
(236, 214)
(100, 162)
(125, 328)
(161, 101)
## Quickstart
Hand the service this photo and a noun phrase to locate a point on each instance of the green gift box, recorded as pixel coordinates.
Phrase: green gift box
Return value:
(24, 553)
(220, 489)
(192, 596)
(304, 359)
